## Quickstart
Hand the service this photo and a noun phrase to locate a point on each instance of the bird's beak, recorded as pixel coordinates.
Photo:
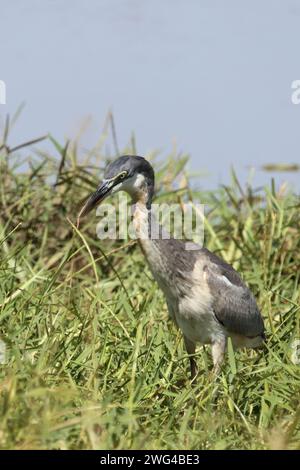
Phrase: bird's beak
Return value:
(96, 198)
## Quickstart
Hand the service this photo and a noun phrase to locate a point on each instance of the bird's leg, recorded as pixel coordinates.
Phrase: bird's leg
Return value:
(191, 347)
(218, 350)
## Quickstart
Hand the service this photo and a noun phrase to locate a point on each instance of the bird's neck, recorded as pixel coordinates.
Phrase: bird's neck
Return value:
(152, 240)
(147, 228)
(143, 226)
(142, 216)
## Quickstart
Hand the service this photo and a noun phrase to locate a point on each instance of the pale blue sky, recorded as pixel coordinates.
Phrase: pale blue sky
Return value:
(213, 75)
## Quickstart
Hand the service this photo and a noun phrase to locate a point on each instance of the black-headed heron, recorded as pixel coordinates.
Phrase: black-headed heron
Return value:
(206, 297)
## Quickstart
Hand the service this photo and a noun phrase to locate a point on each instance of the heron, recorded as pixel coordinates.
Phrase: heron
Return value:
(206, 297)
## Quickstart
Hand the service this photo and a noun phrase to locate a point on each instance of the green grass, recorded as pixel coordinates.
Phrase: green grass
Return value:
(92, 360)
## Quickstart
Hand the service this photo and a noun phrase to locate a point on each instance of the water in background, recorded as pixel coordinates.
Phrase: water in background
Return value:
(210, 76)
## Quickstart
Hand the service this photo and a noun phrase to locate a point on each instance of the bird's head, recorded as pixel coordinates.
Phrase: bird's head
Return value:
(128, 173)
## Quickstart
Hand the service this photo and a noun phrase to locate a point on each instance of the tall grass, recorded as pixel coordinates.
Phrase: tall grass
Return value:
(92, 361)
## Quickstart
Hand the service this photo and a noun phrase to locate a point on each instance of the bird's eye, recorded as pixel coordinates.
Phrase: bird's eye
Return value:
(123, 175)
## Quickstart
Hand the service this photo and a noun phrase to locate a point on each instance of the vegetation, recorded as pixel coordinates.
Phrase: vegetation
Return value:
(92, 361)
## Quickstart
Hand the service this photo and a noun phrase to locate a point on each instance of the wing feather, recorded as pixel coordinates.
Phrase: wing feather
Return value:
(233, 303)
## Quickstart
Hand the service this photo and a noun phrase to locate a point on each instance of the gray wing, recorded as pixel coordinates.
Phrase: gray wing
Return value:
(233, 303)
